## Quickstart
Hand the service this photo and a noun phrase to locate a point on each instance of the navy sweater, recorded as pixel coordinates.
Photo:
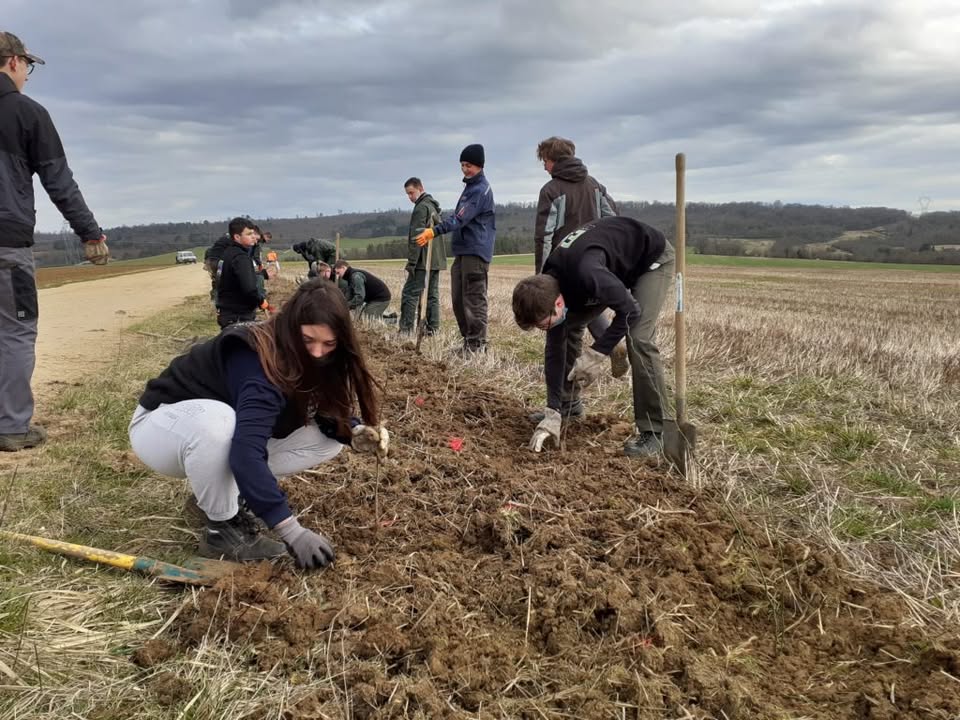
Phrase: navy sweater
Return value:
(473, 223)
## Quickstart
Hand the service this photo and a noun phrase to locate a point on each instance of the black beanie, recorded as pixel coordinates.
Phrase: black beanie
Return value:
(473, 154)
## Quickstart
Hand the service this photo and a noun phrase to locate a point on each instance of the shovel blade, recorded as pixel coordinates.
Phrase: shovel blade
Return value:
(679, 442)
(195, 571)
(212, 569)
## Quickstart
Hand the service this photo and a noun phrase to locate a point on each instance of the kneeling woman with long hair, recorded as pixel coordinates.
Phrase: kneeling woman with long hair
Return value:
(256, 402)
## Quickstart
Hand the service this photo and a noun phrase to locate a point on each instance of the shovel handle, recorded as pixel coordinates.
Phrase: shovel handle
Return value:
(422, 305)
(680, 351)
(148, 566)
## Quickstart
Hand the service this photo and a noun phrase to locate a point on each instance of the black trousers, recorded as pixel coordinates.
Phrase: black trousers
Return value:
(468, 289)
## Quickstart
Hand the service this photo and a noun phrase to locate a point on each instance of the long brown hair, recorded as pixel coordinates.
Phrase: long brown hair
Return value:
(328, 389)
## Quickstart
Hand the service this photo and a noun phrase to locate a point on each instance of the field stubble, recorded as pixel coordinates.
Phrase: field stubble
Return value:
(492, 583)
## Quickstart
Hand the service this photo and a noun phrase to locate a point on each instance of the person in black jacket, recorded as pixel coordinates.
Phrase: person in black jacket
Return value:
(29, 144)
(256, 402)
(238, 294)
(366, 293)
(613, 262)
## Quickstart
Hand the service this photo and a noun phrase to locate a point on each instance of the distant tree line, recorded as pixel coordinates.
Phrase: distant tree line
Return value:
(742, 228)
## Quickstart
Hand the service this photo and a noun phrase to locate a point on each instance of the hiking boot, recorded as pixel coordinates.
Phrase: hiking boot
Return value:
(12, 442)
(619, 362)
(238, 539)
(644, 444)
(572, 411)
(196, 516)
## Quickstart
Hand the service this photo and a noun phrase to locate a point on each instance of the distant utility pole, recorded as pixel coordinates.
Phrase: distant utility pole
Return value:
(71, 250)
(923, 202)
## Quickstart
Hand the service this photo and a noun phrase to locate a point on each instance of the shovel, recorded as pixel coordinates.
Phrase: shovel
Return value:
(200, 571)
(422, 309)
(680, 436)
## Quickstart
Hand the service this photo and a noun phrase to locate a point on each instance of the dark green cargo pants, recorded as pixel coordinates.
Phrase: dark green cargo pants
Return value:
(410, 299)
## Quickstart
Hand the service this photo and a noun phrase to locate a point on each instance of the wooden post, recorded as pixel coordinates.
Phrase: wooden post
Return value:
(338, 246)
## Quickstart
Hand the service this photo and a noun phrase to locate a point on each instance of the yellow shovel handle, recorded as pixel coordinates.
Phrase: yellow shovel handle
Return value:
(106, 557)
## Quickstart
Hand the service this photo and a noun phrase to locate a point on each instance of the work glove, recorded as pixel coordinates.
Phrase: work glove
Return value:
(424, 237)
(587, 368)
(549, 427)
(96, 251)
(367, 438)
(309, 549)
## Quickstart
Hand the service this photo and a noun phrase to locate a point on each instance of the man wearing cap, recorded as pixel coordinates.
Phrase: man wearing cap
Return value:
(29, 144)
(474, 232)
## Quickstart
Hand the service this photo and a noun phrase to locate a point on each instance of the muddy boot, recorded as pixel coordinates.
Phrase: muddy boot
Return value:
(619, 362)
(644, 444)
(238, 539)
(12, 442)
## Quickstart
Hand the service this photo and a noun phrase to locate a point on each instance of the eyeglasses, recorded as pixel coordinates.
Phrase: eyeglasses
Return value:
(547, 322)
(27, 60)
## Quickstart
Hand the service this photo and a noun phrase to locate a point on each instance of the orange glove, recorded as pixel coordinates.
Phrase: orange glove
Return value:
(425, 237)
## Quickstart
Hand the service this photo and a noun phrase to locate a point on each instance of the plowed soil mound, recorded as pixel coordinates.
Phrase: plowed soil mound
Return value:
(492, 582)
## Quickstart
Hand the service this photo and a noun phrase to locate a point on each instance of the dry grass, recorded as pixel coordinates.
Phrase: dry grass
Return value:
(828, 403)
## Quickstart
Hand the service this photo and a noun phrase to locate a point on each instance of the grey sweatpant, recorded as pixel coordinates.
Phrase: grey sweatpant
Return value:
(565, 343)
(18, 338)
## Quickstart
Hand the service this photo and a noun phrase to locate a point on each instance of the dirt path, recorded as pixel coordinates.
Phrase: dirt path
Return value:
(80, 323)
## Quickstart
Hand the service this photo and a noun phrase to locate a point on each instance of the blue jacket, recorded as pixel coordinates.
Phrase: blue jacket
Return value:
(472, 224)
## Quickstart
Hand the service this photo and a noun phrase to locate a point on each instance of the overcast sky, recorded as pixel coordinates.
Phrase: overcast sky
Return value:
(176, 110)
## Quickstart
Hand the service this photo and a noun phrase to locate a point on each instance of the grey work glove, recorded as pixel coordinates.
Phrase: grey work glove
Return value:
(367, 438)
(587, 368)
(549, 427)
(309, 549)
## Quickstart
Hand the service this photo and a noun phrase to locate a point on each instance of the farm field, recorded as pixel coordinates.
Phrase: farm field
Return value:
(809, 570)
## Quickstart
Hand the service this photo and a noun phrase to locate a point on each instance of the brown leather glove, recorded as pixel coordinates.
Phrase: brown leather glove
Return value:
(96, 251)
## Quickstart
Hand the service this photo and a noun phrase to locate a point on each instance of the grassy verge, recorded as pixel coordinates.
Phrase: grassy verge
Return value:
(829, 405)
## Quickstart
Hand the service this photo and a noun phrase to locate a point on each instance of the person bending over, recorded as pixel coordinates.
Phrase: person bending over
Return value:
(257, 402)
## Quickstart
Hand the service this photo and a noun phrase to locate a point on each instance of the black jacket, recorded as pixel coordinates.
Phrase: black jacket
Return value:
(598, 265)
(364, 287)
(237, 290)
(199, 374)
(29, 144)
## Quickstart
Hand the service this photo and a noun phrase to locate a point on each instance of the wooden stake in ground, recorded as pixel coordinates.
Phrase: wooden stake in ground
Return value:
(424, 293)
(680, 437)
(338, 248)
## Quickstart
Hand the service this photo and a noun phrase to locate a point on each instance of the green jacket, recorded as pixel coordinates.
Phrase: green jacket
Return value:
(425, 210)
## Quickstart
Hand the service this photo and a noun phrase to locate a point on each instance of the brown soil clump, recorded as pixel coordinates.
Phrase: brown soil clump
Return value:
(494, 582)
(169, 689)
(153, 652)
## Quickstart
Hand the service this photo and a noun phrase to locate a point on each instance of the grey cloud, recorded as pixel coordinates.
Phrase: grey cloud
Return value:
(185, 110)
